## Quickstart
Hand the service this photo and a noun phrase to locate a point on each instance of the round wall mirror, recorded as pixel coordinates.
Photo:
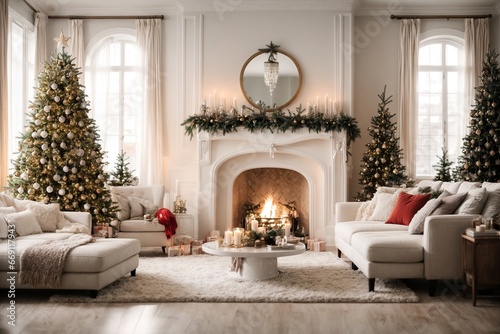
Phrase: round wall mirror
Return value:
(255, 90)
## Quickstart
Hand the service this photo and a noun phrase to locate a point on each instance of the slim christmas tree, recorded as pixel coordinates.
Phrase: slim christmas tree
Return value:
(480, 159)
(443, 167)
(60, 159)
(381, 162)
(121, 175)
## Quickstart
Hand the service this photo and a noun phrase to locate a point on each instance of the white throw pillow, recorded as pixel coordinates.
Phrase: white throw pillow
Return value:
(3, 224)
(474, 202)
(47, 215)
(360, 214)
(491, 208)
(417, 222)
(25, 222)
(385, 202)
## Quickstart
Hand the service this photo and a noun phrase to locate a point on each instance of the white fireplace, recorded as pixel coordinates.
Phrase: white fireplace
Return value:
(319, 157)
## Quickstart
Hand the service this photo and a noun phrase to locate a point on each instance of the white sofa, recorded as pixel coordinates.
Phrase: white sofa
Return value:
(383, 250)
(150, 234)
(88, 267)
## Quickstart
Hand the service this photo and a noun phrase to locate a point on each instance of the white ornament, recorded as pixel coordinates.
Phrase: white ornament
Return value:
(36, 185)
(57, 177)
(71, 135)
(63, 145)
(83, 105)
(61, 192)
(81, 124)
(54, 86)
(34, 134)
(66, 169)
(54, 145)
(67, 111)
(87, 206)
(49, 189)
(63, 78)
(38, 122)
(80, 152)
(74, 170)
(57, 98)
(44, 134)
(43, 160)
(82, 162)
(45, 146)
(46, 108)
(20, 190)
(24, 176)
(62, 119)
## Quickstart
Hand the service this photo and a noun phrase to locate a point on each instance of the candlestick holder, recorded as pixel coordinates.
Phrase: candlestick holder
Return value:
(179, 205)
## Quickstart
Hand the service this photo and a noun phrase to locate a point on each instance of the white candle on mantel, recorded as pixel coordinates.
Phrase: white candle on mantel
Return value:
(237, 237)
(288, 227)
(261, 229)
(228, 238)
(254, 225)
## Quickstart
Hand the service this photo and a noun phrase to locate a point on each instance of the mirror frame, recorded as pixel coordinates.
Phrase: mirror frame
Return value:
(242, 72)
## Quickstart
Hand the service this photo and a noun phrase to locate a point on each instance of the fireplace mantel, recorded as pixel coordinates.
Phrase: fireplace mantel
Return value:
(319, 157)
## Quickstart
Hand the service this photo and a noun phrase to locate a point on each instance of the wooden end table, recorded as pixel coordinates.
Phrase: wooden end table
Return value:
(480, 263)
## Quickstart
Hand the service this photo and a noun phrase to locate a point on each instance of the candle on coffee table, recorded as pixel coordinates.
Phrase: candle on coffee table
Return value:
(237, 237)
(228, 238)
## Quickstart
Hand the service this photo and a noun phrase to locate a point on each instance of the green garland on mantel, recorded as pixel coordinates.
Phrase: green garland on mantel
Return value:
(279, 121)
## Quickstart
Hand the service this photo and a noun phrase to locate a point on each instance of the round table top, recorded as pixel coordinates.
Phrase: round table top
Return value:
(212, 248)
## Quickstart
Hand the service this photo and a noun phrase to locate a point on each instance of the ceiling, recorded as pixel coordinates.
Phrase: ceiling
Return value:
(361, 7)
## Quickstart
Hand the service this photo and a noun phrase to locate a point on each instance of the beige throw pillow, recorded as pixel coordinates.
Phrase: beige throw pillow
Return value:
(47, 215)
(123, 207)
(473, 202)
(24, 222)
(417, 222)
(449, 203)
(139, 207)
(3, 224)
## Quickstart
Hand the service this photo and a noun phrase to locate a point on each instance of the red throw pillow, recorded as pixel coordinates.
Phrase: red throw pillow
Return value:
(406, 207)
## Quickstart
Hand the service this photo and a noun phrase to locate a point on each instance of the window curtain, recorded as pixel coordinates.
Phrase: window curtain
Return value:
(76, 46)
(477, 40)
(150, 155)
(40, 41)
(4, 108)
(408, 80)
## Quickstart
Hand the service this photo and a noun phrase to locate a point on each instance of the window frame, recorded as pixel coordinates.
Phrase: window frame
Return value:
(447, 37)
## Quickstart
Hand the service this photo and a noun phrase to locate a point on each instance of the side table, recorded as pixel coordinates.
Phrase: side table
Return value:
(185, 224)
(480, 263)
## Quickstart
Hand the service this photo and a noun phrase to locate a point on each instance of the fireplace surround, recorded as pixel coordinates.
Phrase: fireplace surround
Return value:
(319, 157)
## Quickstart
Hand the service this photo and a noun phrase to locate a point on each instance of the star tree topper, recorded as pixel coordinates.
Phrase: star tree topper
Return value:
(62, 40)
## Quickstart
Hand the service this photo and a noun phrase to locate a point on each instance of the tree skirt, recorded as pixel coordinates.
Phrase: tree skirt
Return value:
(311, 277)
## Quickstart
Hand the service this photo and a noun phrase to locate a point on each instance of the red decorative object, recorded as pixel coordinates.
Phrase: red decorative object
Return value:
(167, 219)
(406, 207)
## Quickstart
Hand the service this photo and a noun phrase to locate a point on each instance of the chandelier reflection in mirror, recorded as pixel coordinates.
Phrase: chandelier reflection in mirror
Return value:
(271, 67)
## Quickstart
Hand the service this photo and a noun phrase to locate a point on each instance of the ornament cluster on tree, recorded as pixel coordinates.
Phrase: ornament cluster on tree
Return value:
(480, 159)
(122, 175)
(60, 159)
(381, 162)
(443, 167)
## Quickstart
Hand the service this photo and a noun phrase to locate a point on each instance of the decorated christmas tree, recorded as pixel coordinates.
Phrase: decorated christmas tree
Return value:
(381, 162)
(480, 159)
(443, 167)
(59, 158)
(122, 175)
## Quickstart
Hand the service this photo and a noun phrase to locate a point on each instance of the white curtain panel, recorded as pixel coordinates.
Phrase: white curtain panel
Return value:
(150, 153)
(76, 46)
(408, 82)
(477, 39)
(40, 41)
(4, 119)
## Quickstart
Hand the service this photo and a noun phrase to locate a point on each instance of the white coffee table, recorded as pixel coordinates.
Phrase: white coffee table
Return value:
(256, 263)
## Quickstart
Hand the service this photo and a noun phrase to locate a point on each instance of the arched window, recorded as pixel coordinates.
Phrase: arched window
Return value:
(441, 110)
(111, 85)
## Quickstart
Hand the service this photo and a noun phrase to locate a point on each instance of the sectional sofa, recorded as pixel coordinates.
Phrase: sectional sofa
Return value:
(91, 266)
(426, 244)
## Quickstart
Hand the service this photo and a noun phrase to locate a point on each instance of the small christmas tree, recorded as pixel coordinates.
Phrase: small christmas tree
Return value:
(443, 167)
(480, 159)
(121, 175)
(60, 159)
(381, 162)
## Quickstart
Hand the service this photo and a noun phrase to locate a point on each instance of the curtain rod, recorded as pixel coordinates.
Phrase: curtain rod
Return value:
(74, 17)
(437, 17)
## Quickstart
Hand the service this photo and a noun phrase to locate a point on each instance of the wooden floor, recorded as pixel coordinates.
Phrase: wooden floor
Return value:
(448, 312)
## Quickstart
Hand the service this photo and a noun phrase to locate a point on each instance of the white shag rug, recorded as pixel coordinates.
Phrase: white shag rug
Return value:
(311, 277)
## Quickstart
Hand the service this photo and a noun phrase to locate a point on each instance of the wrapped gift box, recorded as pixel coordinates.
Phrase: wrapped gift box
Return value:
(106, 228)
(318, 246)
(186, 249)
(174, 251)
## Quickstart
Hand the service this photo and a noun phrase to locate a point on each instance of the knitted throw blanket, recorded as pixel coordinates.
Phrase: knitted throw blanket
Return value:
(42, 265)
